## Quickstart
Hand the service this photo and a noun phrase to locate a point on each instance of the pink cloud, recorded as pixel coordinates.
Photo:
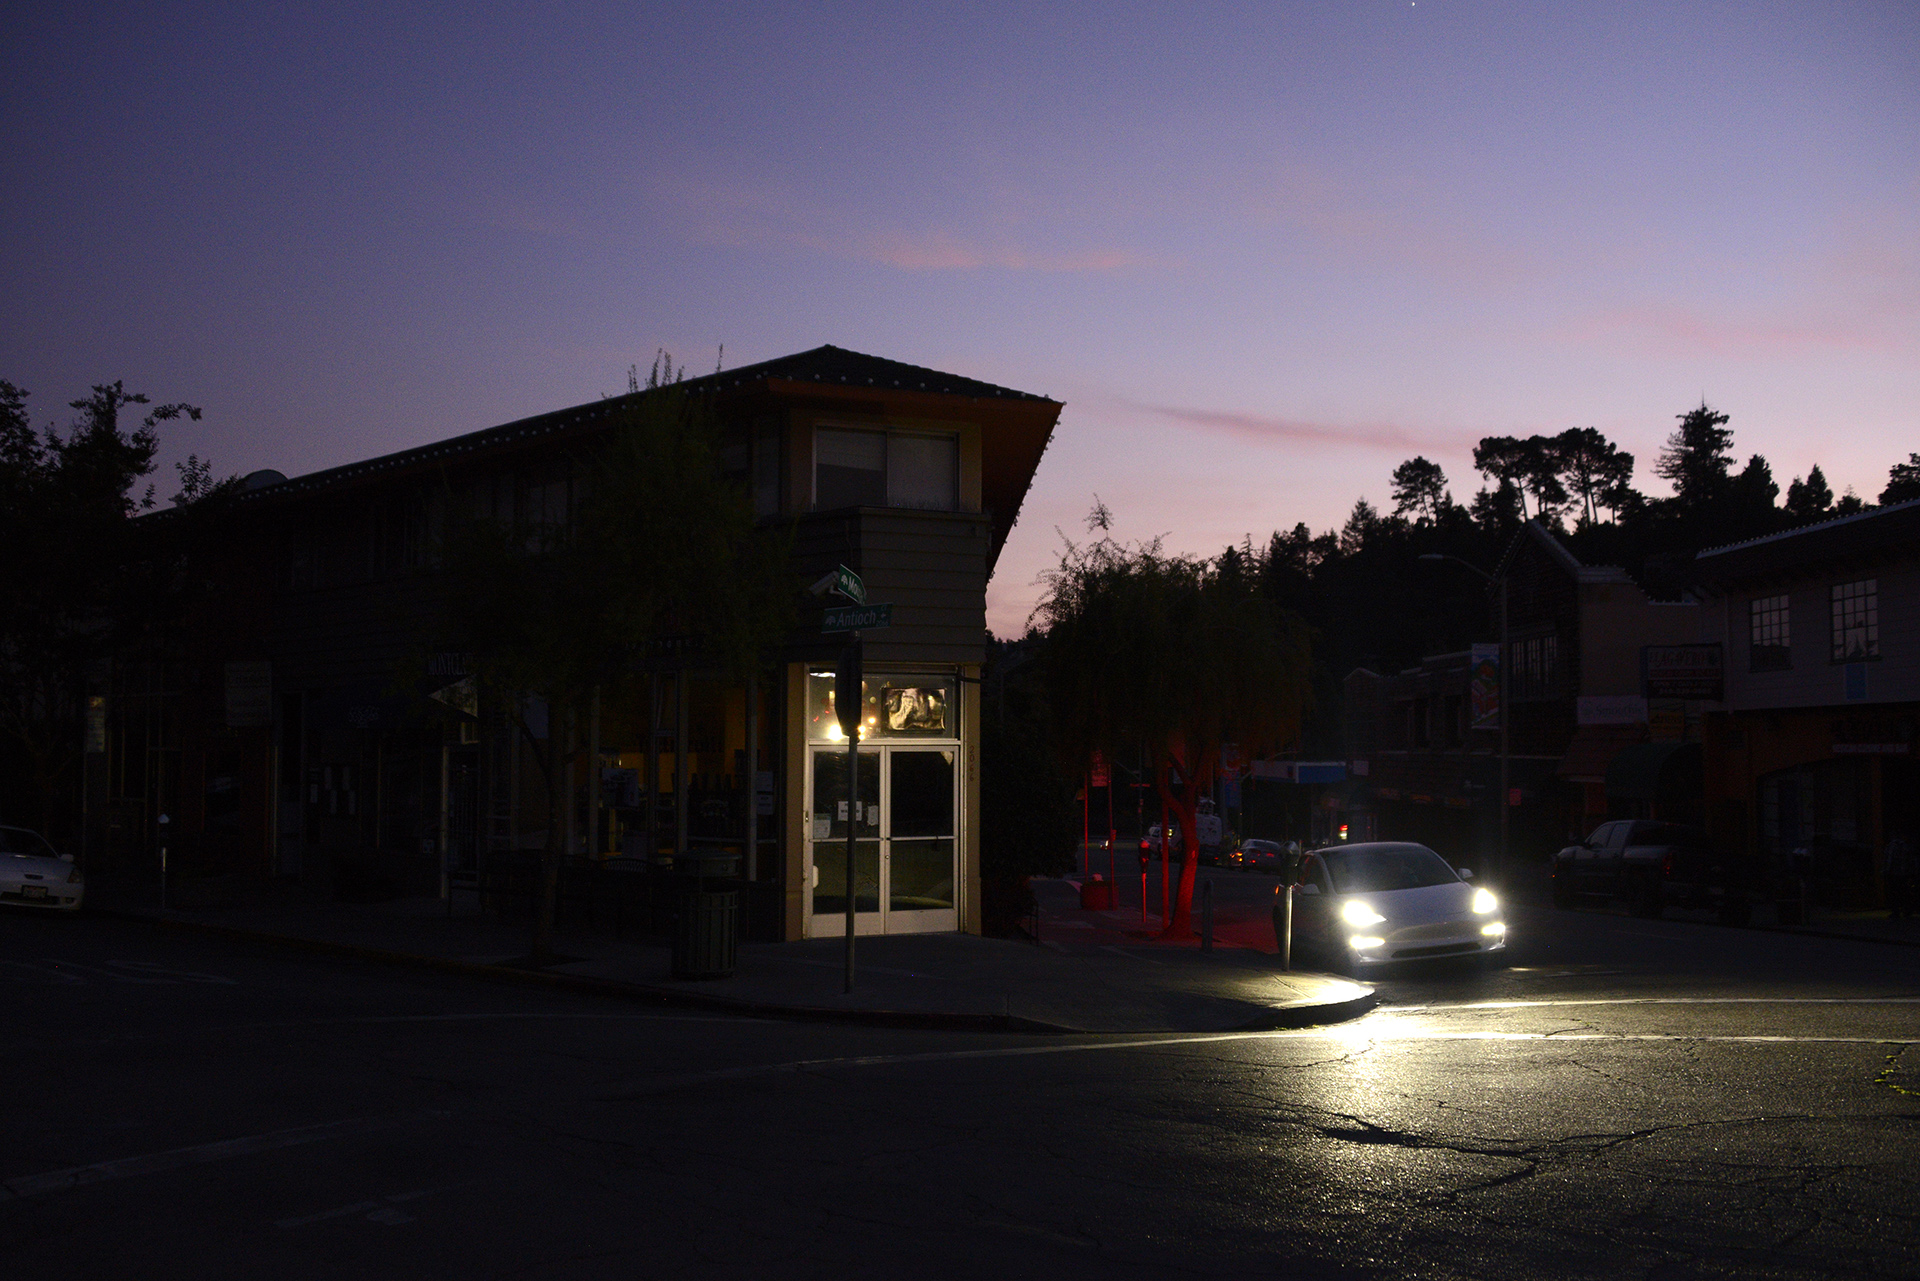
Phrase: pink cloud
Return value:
(1271, 429)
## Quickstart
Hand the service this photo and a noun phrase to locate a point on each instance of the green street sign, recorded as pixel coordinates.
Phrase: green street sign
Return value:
(848, 584)
(856, 618)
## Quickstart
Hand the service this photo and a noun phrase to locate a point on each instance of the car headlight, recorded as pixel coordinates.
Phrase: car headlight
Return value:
(1360, 912)
(1364, 942)
(73, 877)
(1484, 902)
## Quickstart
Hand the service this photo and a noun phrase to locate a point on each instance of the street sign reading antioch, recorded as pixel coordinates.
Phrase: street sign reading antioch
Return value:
(856, 618)
(848, 584)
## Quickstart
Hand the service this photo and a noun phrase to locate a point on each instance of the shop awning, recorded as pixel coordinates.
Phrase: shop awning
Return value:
(1648, 771)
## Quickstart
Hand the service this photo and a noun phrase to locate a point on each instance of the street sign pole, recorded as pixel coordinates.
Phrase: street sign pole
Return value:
(847, 705)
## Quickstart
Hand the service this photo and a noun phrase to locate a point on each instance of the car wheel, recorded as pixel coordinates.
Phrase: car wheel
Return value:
(1736, 910)
(1647, 900)
(1563, 895)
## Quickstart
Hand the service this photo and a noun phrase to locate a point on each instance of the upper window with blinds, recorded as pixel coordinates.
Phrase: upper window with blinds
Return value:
(885, 469)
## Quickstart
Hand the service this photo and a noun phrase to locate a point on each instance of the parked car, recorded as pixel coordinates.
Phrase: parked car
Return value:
(33, 875)
(1262, 856)
(1651, 865)
(1364, 905)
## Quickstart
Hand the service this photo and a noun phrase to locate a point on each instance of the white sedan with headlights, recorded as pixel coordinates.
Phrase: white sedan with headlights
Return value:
(1368, 904)
(33, 875)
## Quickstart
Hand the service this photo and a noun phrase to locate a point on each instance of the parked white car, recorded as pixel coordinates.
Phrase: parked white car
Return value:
(33, 875)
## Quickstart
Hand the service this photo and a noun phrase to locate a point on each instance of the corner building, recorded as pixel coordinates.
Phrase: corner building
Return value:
(278, 742)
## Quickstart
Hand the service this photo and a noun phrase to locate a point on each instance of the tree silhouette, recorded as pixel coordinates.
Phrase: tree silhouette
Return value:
(1697, 457)
(1176, 654)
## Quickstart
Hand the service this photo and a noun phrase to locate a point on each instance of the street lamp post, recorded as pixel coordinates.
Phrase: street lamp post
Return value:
(1506, 709)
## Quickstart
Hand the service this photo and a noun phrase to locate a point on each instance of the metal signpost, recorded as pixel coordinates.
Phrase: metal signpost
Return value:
(848, 700)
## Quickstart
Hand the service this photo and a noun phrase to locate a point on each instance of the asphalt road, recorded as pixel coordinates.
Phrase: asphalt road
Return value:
(1630, 1098)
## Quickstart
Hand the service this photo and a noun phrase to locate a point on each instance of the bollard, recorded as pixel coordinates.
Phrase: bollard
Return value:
(1206, 916)
(1286, 958)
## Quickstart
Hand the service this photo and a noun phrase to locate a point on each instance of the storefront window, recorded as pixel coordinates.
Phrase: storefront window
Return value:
(894, 707)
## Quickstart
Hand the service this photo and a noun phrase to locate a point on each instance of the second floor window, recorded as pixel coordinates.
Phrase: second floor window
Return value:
(885, 469)
(1856, 621)
(1767, 619)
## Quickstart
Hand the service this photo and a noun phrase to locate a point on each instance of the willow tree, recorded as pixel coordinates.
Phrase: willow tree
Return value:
(655, 543)
(1178, 654)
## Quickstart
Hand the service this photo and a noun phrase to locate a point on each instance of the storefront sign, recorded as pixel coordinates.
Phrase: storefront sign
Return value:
(1683, 671)
(1612, 709)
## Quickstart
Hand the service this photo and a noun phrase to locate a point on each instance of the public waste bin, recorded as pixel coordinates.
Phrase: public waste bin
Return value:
(706, 917)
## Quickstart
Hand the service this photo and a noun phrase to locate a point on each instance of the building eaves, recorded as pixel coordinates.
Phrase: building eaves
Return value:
(1869, 535)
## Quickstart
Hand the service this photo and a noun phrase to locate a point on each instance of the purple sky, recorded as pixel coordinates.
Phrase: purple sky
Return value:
(1263, 252)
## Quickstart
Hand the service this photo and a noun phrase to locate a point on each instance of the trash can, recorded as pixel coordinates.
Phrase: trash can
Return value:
(706, 917)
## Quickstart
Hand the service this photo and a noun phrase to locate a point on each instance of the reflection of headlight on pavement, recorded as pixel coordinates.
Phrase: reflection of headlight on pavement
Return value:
(1484, 902)
(1360, 912)
(1365, 941)
(1496, 929)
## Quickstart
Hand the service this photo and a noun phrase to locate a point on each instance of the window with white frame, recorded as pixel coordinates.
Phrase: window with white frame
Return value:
(1856, 620)
(1767, 631)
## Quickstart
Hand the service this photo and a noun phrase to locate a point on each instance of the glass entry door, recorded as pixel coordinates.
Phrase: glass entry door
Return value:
(905, 841)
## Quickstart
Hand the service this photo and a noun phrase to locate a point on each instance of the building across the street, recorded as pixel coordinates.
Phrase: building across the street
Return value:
(1585, 742)
(1810, 760)
(278, 741)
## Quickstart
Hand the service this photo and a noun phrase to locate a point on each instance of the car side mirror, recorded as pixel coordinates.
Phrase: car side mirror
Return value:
(1466, 874)
(1309, 888)
(66, 858)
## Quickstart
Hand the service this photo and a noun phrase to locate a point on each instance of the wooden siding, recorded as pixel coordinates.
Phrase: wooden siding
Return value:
(930, 566)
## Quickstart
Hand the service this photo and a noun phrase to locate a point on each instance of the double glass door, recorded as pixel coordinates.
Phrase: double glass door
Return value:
(904, 838)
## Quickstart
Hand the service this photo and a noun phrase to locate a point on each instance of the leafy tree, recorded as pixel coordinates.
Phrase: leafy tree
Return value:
(1419, 489)
(1903, 482)
(1697, 457)
(1811, 498)
(66, 500)
(1176, 655)
(660, 545)
(1504, 460)
(1849, 503)
(1598, 473)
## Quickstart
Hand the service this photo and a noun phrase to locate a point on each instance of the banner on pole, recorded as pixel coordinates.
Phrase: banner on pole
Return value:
(1484, 687)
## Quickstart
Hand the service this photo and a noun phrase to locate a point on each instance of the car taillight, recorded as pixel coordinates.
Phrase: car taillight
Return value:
(1666, 865)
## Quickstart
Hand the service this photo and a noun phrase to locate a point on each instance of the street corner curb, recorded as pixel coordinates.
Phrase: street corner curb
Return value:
(1313, 1013)
(615, 989)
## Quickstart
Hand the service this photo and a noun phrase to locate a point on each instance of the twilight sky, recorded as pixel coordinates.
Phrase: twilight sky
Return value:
(1263, 252)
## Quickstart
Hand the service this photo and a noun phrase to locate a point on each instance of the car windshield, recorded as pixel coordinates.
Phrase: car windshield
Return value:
(18, 840)
(1388, 867)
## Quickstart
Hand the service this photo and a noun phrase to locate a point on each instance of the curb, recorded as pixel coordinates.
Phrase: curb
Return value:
(1276, 1017)
(1802, 931)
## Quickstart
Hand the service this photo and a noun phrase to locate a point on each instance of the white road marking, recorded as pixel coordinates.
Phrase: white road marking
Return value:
(381, 1211)
(54, 975)
(191, 976)
(106, 973)
(1653, 1000)
(154, 1163)
(1352, 1034)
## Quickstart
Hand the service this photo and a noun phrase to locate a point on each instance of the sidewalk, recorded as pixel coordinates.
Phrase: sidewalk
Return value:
(1534, 887)
(1088, 973)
